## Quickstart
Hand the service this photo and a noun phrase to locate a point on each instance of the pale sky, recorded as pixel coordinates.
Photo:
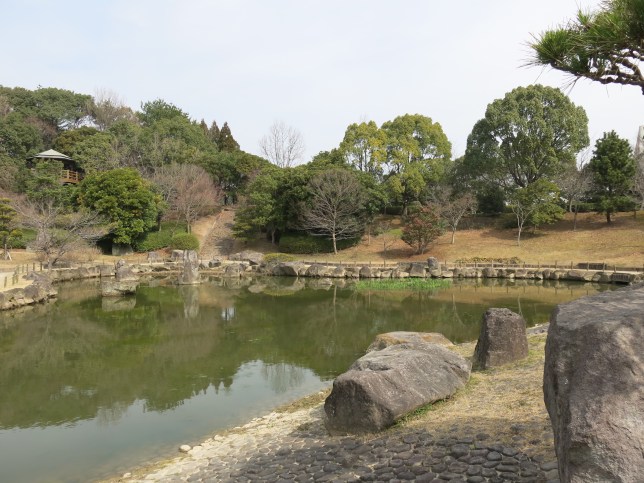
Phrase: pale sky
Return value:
(316, 65)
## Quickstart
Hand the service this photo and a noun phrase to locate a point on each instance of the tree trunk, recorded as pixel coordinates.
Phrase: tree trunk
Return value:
(608, 220)
(335, 248)
(574, 220)
(453, 234)
(519, 236)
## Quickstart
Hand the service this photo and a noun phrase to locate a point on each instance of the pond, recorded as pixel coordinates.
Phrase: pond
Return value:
(90, 387)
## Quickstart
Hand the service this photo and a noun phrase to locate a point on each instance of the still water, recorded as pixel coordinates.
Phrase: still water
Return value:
(90, 387)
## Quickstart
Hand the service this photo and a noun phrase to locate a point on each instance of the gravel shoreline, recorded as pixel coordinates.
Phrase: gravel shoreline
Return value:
(453, 441)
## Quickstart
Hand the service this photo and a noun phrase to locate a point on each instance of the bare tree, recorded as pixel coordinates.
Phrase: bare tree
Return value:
(387, 237)
(574, 183)
(337, 199)
(59, 232)
(188, 190)
(452, 208)
(107, 108)
(283, 145)
(638, 187)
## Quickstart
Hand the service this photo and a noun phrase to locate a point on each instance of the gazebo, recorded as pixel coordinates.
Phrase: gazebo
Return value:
(71, 174)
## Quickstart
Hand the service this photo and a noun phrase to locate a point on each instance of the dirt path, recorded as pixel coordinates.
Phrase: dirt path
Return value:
(215, 234)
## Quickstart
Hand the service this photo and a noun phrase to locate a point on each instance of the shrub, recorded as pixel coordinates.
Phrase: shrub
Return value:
(26, 237)
(279, 257)
(184, 241)
(155, 240)
(303, 243)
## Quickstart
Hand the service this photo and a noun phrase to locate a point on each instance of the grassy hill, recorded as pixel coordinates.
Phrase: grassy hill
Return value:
(621, 242)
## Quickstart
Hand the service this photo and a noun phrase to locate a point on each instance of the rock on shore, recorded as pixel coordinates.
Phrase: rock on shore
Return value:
(384, 385)
(593, 386)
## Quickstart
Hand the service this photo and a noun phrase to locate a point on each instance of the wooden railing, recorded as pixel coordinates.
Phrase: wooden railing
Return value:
(69, 176)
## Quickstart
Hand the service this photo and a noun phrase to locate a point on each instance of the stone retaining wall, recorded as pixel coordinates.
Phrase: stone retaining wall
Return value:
(17, 297)
(422, 270)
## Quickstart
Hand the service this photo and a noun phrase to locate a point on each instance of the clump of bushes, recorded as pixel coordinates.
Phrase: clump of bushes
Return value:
(279, 257)
(156, 240)
(184, 241)
(307, 244)
(26, 237)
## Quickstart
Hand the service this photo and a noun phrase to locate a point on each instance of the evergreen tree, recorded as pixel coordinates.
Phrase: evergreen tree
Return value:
(214, 132)
(613, 168)
(225, 141)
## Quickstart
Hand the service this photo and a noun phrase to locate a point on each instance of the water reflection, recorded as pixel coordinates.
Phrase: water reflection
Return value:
(168, 365)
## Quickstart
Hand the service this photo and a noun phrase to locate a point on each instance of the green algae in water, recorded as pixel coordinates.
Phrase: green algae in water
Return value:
(403, 284)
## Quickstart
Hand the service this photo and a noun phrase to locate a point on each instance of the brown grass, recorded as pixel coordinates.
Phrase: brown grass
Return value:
(505, 403)
(620, 243)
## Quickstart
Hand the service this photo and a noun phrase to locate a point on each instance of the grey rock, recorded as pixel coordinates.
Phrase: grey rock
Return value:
(116, 288)
(401, 337)
(593, 388)
(189, 273)
(124, 273)
(288, 269)
(154, 257)
(417, 270)
(252, 257)
(502, 339)
(384, 385)
(433, 263)
(318, 271)
(179, 255)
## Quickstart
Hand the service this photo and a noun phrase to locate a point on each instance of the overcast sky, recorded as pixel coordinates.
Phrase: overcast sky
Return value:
(316, 65)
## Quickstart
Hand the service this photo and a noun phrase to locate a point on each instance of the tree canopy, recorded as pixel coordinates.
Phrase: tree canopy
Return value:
(530, 134)
(613, 168)
(605, 46)
(125, 199)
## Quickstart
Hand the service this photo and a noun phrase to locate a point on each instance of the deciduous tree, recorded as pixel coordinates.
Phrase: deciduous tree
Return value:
(536, 204)
(451, 206)
(418, 153)
(283, 145)
(188, 191)
(334, 208)
(365, 147)
(422, 228)
(59, 231)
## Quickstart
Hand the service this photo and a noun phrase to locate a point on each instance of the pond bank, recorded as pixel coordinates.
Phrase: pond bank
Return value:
(21, 293)
(496, 426)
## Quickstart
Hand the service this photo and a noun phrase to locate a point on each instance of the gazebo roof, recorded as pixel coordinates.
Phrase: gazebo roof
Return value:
(51, 154)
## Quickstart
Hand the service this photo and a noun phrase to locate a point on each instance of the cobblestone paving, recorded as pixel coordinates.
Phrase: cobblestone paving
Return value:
(296, 447)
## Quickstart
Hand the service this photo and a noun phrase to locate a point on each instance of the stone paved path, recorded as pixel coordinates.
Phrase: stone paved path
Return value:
(284, 447)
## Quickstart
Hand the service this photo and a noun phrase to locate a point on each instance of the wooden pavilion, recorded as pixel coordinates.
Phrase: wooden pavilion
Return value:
(72, 173)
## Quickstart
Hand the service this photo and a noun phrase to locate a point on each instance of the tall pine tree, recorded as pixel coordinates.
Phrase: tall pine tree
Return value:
(226, 142)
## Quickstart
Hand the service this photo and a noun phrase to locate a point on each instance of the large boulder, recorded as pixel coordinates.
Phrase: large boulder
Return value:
(318, 270)
(179, 255)
(402, 337)
(502, 339)
(288, 269)
(124, 273)
(384, 385)
(593, 386)
(254, 258)
(189, 273)
(418, 270)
